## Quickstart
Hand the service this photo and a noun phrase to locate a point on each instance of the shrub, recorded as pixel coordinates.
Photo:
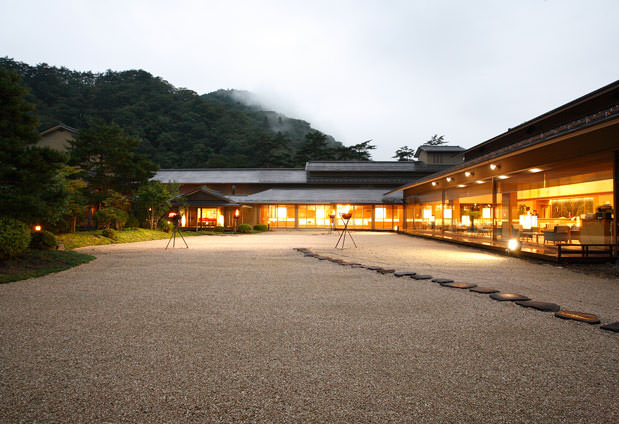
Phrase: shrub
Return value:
(14, 237)
(165, 226)
(111, 217)
(43, 240)
(110, 233)
(244, 228)
(261, 227)
(219, 229)
(132, 222)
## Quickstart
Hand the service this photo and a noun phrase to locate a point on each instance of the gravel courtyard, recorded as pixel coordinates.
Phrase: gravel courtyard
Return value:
(245, 329)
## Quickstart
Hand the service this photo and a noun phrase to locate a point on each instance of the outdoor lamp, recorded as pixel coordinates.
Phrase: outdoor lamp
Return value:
(513, 245)
(37, 228)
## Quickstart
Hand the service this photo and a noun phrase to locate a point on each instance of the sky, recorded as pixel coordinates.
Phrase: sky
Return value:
(396, 72)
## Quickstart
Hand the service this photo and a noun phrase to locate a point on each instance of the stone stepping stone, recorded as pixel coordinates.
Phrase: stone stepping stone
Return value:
(508, 297)
(614, 327)
(578, 316)
(322, 258)
(421, 277)
(301, 249)
(308, 254)
(459, 285)
(336, 261)
(540, 306)
(484, 290)
(357, 266)
(404, 273)
(374, 268)
(442, 280)
(385, 271)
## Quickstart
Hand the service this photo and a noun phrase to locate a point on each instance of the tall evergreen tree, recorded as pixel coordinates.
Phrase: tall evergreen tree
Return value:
(29, 189)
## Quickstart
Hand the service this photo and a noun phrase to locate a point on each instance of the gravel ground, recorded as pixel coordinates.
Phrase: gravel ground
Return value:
(245, 329)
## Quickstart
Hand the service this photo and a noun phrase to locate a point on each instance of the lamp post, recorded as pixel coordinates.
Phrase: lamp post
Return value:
(236, 219)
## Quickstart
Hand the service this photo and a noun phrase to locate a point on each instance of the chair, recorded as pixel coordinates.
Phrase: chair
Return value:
(559, 234)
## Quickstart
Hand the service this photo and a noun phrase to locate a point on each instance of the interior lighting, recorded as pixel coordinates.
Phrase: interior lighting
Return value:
(434, 183)
(513, 245)
(534, 170)
(468, 174)
(449, 179)
(461, 185)
(502, 177)
(494, 166)
(480, 182)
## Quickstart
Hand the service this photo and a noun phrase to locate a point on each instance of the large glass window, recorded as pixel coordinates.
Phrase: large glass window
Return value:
(278, 216)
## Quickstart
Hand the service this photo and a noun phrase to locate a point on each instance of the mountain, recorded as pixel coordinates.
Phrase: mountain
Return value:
(179, 128)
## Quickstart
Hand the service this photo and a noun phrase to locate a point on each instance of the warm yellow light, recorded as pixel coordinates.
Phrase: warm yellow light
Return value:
(37, 228)
(282, 211)
(493, 166)
(486, 213)
(502, 177)
(434, 183)
(466, 220)
(380, 213)
(447, 214)
(427, 213)
(526, 222)
(461, 185)
(449, 179)
(183, 221)
(396, 228)
(480, 182)
(534, 170)
(513, 244)
(468, 174)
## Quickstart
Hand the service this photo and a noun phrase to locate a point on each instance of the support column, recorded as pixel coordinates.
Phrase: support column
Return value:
(494, 189)
(616, 199)
(296, 217)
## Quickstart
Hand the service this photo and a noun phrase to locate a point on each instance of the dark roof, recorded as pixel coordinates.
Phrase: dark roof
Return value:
(433, 148)
(60, 126)
(369, 166)
(320, 195)
(231, 175)
(598, 100)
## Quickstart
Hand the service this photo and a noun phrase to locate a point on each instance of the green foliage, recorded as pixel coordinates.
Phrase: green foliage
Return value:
(132, 222)
(110, 233)
(180, 128)
(43, 240)
(219, 229)
(152, 201)
(436, 140)
(165, 226)
(14, 237)
(244, 228)
(107, 156)
(111, 216)
(261, 227)
(404, 154)
(29, 189)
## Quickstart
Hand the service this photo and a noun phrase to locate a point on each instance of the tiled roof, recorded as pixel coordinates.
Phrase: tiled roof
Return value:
(370, 166)
(232, 176)
(320, 195)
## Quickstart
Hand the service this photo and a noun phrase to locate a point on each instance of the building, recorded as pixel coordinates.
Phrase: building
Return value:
(440, 155)
(57, 137)
(549, 185)
(296, 198)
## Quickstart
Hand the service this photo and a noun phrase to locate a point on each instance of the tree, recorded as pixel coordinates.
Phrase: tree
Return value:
(315, 147)
(29, 190)
(272, 151)
(435, 140)
(107, 155)
(404, 154)
(359, 151)
(152, 201)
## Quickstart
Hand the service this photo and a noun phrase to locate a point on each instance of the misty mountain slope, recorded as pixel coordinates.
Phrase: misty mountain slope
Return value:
(180, 128)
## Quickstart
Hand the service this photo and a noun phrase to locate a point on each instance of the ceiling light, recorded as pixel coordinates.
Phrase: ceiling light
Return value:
(434, 183)
(494, 166)
(534, 170)
(502, 177)
(468, 173)
(480, 182)
(461, 185)
(449, 179)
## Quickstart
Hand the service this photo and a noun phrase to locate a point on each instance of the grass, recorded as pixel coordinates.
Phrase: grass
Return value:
(94, 238)
(36, 263)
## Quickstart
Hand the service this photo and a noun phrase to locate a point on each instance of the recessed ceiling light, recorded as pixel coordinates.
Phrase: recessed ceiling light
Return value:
(434, 183)
(502, 177)
(461, 185)
(468, 173)
(534, 170)
(449, 179)
(480, 182)
(494, 166)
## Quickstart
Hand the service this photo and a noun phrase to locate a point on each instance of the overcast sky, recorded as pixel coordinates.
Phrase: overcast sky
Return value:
(396, 72)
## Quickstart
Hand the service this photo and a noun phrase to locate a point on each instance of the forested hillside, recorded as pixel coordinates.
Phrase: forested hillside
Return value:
(179, 128)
